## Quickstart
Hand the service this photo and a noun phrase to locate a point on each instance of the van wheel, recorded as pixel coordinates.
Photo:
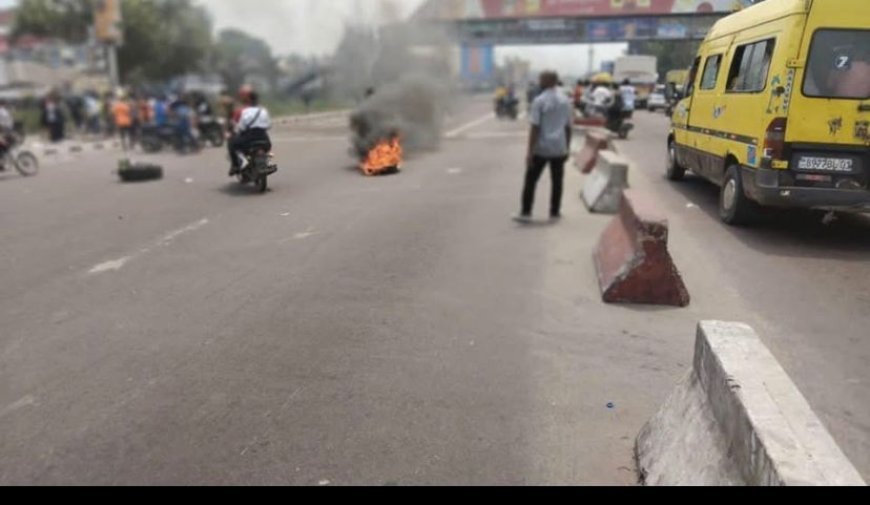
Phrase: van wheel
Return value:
(676, 172)
(735, 208)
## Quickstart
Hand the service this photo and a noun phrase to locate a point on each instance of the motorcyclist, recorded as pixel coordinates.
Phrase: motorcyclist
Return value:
(7, 128)
(252, 127)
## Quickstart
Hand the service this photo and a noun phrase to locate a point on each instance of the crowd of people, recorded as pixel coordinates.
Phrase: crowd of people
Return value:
(123, 114)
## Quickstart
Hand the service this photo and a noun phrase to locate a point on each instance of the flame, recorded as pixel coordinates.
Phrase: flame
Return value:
(385, 156)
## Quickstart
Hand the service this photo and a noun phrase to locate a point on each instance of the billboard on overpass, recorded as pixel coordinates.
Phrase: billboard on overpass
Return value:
(494, 9)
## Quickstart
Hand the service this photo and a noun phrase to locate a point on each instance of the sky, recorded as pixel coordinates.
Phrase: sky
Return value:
(315, 27)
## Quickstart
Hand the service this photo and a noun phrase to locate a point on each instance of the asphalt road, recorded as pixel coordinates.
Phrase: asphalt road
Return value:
(397, 330)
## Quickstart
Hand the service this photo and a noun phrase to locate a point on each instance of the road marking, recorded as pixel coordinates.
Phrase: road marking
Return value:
(454, 171)
(169, 237)
(117, 264)
(305, 234)
(27, 401)
(110, 266)
(479, 121)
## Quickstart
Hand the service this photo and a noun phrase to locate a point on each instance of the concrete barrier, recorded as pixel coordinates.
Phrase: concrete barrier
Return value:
(737, 419)
(602, 191)
(595, 141)
(632, 258)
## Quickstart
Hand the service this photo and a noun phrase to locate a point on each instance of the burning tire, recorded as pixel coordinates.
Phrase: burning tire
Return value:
(384, 158)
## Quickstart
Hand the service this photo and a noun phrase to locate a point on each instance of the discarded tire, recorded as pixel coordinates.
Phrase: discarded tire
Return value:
(139, 172)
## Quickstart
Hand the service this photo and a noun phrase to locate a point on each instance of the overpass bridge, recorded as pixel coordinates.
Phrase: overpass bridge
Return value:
(521, 22)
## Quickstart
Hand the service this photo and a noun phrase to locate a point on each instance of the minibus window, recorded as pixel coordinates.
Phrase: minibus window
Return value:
(750, 67)
(839, 65)
(711, 72)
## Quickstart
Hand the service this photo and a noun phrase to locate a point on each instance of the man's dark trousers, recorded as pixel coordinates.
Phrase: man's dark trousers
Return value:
(533, 174)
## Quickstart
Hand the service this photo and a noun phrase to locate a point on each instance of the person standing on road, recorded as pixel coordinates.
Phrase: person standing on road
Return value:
(53, 118)
(123, 119)
(549, 141)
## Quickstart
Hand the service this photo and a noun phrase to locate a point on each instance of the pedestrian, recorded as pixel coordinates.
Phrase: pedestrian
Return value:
(123, 120)
(549, 141)
(161, 111)
(108, 116)
(92, 113)
(629, 97)
(53, 118)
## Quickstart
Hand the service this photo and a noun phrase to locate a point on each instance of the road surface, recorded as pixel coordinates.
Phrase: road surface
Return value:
(402, 330)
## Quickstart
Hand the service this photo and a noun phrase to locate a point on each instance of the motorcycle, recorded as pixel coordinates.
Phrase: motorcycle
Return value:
(212, 130)
(257, 166)
(22, 160)
(507, 108)
(154, 138)
(617, 122)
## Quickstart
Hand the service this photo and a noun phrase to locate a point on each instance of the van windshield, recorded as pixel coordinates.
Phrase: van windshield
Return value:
(839, 65)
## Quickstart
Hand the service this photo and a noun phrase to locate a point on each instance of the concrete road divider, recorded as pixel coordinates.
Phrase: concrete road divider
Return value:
(738, 419)
(602, 191)
(318, 116)
(632, 258)
(595, 142)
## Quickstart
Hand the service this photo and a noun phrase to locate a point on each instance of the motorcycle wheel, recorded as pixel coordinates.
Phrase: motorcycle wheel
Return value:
(262, 183)
(151, 144)
(26, 164)
(215, 138)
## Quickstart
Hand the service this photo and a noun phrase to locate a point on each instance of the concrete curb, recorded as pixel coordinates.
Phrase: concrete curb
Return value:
(602, 191)
(72, 148)
(302, 118)
(738, 419)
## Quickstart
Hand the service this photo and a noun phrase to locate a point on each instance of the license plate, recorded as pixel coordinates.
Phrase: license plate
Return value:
(832, 165)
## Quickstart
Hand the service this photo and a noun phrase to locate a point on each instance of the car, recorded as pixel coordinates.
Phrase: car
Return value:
(776, 110)
(658, 100)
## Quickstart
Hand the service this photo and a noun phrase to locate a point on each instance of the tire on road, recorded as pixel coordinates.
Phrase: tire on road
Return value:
(735, 208)
(140, 172)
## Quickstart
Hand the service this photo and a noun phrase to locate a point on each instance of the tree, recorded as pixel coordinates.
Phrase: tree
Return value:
(67, 20)
(238, 56)
(162, 38)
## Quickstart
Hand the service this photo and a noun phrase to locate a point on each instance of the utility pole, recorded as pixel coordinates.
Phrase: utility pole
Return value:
(108, 31)
(591, 59)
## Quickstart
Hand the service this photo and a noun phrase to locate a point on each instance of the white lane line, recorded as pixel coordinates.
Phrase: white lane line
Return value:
(117, 264)
(479, 121)
(27, 401)
(110, 266)
(454, 171)
(169, 237)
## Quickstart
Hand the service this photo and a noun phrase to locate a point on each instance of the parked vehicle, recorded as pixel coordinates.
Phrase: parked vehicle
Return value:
(777, 110)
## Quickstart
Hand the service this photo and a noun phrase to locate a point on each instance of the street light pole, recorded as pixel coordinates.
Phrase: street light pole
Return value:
(112, 57)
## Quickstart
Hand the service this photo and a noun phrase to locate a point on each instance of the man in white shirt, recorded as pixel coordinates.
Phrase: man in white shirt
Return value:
(252, 128)
(602, 97)
(629, 96)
